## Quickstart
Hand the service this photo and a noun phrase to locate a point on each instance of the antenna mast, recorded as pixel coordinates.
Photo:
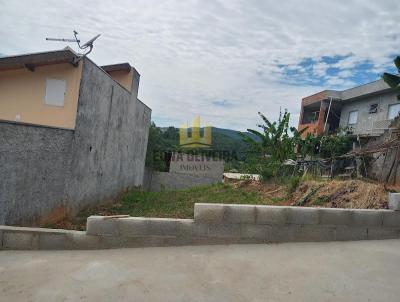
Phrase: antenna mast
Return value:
(88, 46)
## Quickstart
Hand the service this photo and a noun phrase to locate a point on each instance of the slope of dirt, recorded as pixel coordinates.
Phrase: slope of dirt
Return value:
(355, 194)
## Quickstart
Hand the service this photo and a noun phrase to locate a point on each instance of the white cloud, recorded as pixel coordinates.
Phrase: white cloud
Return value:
(320, 69)
(337, 82)
(345, 73)
(191, 53)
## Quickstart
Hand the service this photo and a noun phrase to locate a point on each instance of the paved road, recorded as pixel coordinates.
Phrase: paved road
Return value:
(337, 271)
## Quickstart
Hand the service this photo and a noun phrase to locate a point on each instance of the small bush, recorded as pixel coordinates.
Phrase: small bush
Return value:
(266, 174)
(269, 169)
(294, 182)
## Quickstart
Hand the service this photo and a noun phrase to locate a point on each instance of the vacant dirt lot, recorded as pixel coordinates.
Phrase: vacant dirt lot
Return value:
(179, 204)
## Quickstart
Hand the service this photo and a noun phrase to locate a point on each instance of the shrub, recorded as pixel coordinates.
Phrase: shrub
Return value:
(268, 169)
(293, 184)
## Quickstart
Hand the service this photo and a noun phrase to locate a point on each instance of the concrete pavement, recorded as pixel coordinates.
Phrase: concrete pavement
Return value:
(334, 271)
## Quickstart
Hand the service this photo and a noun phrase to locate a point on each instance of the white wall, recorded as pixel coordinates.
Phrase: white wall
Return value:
(369, 123)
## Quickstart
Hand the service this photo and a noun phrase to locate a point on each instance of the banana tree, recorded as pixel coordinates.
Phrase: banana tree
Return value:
(274, 140)
(393, 80)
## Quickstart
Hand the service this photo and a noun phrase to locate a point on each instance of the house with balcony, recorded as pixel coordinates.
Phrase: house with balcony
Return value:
(364, 111)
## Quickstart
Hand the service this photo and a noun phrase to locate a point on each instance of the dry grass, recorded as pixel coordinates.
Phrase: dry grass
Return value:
(355, 194)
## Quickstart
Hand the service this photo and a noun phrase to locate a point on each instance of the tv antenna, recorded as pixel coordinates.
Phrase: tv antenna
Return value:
(88, 46)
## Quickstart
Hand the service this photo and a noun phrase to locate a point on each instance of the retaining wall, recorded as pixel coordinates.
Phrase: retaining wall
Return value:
(215, 224)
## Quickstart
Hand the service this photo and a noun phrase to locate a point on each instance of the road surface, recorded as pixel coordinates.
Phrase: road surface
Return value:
(336, 271)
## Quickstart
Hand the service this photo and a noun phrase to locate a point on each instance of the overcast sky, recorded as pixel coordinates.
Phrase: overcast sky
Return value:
(224, 60)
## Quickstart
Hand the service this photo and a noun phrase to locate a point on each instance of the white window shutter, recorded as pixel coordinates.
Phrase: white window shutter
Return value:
(353, 117)
(55, 92)
(393, 111)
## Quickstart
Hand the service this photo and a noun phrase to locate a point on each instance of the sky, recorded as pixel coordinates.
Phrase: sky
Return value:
(222, 60)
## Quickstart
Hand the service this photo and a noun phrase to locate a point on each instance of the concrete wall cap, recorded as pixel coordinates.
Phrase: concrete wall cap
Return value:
(37, 230)
(394, 201)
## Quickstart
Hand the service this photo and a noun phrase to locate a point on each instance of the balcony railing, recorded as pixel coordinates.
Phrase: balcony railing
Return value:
(375, 128)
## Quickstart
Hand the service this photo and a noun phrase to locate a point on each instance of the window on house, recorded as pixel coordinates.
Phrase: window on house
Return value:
(393, 111)
(373, 108)
(55, 92)
(315, 116)
(353, 116)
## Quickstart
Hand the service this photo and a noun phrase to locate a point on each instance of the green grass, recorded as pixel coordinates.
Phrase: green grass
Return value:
(180, 204)
(277, 199)
(172, 204)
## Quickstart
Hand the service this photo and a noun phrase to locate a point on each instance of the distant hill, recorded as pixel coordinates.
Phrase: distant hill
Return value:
(234, 134)
(222, 139)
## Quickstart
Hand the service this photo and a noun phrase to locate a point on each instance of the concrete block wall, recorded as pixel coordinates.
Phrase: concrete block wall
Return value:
(34, 165)
(109, 146)
(215, 224)
(22, 238)
(227, 223)
(282, 224)
(47, 173)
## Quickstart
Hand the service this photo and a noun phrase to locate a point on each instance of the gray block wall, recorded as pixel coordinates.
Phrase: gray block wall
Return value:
(34, 165)
(110, 142)
(234, 223)
(48, 172)
(214, 224)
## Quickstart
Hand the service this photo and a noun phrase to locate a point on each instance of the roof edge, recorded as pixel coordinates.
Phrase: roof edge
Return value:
(32, 60)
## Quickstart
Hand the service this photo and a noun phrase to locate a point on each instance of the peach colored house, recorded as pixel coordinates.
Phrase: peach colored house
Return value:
(43, 89)
(72, 134)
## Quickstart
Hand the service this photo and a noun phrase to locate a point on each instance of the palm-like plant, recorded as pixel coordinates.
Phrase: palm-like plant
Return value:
(393, 80)
(274, 139)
